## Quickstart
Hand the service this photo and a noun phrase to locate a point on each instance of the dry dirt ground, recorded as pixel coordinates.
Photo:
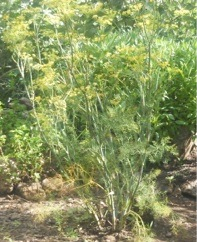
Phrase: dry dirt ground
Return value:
(24, 221)
(183, 205)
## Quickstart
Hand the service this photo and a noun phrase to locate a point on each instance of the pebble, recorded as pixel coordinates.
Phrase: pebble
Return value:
(109, 238)
(168, 234)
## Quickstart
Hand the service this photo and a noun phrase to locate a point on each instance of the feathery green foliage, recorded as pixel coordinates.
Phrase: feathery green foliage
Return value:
(108, 81)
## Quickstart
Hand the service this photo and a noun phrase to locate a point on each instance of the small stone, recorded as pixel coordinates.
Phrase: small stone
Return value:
(5, 187)
(189, 188)
(168, 235)
(57, 186)
(109, 238)
(51, 184)
(31, 192)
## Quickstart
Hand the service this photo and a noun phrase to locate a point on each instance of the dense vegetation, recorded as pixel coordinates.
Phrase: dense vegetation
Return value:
(111, 83)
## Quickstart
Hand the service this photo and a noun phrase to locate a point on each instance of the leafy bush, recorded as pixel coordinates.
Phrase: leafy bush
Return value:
(180, 89)
(22, 144)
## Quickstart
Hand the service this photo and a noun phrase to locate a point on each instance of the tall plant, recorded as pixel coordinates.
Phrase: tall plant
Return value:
(119, 140)
(96, 95)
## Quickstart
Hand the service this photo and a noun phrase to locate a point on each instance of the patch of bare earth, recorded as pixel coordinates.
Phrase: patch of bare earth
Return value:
(24, 221)
(183, 228)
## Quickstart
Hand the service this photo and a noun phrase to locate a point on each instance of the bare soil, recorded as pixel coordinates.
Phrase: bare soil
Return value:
(24, 221)
(183, 205)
